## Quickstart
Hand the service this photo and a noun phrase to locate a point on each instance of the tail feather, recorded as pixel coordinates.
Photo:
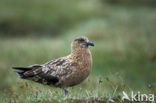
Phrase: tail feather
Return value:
(19, 71)
(26, 72)
(22, 68)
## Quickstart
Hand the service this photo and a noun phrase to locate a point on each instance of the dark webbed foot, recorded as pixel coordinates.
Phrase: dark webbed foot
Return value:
(66, 92)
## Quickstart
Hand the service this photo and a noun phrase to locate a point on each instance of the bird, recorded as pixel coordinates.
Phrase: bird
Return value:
(65, 71)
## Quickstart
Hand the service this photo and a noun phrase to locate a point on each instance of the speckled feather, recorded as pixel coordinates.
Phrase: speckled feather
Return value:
(65, 71)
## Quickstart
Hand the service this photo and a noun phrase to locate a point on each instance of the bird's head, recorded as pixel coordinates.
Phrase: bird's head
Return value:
(81, 43)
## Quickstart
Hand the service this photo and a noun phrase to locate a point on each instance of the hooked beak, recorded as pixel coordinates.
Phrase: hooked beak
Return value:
(90, 44)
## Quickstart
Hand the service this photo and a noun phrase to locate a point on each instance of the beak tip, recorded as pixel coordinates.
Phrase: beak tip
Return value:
(90, 43)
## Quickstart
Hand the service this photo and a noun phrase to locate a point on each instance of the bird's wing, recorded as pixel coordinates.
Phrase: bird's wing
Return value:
(48, 73)
(52, 72)
(58, 67)
(36, 74)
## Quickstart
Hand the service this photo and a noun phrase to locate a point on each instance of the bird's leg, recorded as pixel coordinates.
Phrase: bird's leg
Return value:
(65, 92)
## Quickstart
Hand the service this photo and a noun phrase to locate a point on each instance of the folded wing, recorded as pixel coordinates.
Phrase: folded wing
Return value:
(36, 73)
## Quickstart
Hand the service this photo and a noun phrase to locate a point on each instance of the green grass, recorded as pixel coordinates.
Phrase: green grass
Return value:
(124, 56)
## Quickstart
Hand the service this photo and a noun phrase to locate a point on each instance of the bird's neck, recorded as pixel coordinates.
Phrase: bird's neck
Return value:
(81, 52)
(83, 59)
(81, 55)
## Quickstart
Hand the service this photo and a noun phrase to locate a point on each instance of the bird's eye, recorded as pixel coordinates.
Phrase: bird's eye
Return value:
(81, 40)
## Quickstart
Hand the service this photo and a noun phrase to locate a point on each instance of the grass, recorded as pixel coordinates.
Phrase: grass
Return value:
(124, 56)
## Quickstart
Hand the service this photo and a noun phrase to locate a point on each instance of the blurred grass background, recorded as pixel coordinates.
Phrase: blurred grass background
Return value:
(36, 31)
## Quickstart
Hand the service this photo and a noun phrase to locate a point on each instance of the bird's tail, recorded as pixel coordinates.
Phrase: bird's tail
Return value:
(21, 70)
(25, 72)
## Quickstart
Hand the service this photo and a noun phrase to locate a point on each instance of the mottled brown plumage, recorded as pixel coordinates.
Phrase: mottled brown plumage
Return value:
(65, 71)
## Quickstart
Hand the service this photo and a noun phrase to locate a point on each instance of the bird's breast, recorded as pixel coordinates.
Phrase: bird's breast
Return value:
(81, 68)
(83, 60)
